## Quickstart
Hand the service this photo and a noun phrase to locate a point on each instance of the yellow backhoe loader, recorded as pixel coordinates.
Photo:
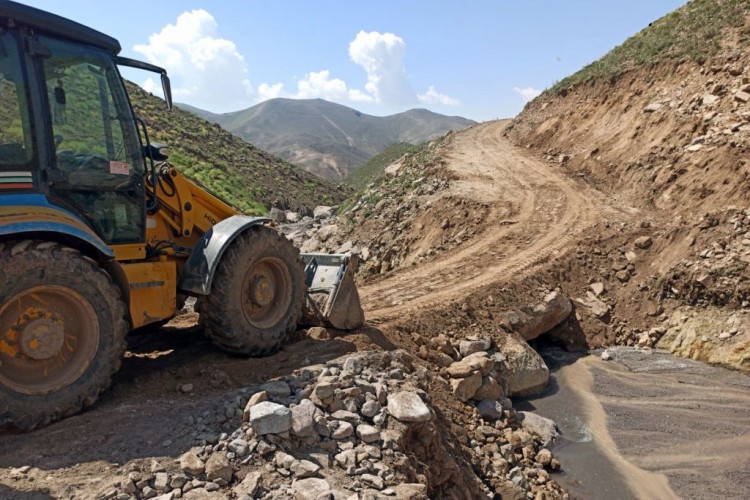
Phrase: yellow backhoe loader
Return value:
(100, 235)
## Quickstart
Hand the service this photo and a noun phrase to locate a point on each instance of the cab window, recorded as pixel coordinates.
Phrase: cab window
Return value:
(16, 140)
(97, 152)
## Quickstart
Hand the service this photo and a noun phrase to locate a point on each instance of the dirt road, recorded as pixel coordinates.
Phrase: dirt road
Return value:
(536, 213)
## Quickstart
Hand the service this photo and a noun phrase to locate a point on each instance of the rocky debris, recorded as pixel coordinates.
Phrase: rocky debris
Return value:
(310, 489)
(322, 212)
(388, 224)
(598, 288)
(277, 215)
(218, 467)
(360, 426)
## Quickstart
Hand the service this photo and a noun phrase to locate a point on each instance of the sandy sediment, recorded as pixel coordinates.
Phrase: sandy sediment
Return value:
(643, 483)
(675, 428)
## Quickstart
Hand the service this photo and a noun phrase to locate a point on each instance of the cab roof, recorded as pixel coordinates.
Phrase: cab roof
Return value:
(53, 24)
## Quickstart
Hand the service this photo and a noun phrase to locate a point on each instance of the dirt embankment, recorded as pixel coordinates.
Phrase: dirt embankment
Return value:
(671, 140)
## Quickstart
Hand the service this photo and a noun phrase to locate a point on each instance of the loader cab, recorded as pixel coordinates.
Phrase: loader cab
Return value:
(67, 129)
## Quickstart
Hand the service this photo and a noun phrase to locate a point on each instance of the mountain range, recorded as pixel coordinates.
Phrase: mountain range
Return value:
(325, 138)
(248, 177)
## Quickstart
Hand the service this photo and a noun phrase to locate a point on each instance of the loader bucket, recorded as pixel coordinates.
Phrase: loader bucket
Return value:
(332, 298)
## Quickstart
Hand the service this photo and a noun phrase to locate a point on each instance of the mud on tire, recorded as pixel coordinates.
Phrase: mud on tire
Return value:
(257, 294)
(62, 332)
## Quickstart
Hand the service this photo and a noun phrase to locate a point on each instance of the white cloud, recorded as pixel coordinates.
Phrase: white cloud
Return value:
(527, 93)
(266, 91)
(206, 70)
(209, 72)
(433, 96)
(320, 85)
(381, 56)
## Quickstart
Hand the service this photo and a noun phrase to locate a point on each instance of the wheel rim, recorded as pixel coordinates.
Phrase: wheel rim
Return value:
(48, 337)
(267, 292)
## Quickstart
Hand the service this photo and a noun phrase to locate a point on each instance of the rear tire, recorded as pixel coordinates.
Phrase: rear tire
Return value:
(257, 294)
(62, 332)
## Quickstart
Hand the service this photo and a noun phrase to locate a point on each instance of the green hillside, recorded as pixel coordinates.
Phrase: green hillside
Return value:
(374, 169)
(693, 32)
(248, 177)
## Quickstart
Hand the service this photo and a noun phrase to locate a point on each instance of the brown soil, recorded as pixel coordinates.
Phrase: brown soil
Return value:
(535, 214)
(540, 228)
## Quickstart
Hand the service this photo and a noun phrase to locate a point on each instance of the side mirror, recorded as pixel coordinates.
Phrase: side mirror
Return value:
(167, 88)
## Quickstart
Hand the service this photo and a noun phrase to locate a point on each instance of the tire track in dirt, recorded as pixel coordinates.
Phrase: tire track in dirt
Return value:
(550, 211)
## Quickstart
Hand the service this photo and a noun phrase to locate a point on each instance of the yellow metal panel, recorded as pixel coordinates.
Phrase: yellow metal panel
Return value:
(153, 291)
(129, 252)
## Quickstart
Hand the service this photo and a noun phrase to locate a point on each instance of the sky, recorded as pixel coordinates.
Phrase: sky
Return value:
(480, 59)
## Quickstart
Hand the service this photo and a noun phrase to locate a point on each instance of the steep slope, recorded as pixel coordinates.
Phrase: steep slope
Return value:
(662, 123)
(329, 139)
(662, 118)
(250, 178)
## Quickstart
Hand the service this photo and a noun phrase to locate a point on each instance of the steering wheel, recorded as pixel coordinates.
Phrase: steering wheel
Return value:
(72, 161)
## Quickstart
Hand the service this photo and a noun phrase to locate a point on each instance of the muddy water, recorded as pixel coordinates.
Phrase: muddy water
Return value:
(648, 425)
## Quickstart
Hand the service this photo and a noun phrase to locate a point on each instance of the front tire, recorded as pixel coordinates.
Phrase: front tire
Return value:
(257, 294)
(62, 332)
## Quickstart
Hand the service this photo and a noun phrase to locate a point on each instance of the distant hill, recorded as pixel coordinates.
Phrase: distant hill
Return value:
(248, 177)
(329, 139)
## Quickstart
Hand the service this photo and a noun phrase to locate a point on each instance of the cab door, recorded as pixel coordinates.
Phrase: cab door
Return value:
(98, 167)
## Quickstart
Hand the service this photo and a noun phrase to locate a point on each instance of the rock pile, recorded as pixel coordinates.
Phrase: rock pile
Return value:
(717, 272)
(361, 426)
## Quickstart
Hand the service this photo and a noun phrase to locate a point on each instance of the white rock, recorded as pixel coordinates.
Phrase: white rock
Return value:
(303, 418)
(309, 488)
(545, 428)
(407, 406)
(322, 212)
(368, 433)
(270, 418)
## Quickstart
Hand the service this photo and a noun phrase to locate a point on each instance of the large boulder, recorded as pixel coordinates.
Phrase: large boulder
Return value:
(544, 316)
(527, 373)
(270, 418)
